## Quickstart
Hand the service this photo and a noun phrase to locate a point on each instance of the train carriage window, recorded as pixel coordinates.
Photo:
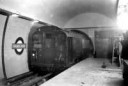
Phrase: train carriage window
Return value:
(60, 40)
(37, 40)
(49, 40)
(48, 35)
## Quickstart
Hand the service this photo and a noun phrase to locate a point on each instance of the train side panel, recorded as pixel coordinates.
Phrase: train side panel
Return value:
(2, 23)
(15, 47)
(81, 46)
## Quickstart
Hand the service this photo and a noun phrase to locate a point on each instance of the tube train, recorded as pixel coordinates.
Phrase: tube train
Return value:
(52, 49)
(27, 45)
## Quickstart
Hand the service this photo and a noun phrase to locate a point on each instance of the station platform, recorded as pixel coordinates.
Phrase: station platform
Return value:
(88, 73)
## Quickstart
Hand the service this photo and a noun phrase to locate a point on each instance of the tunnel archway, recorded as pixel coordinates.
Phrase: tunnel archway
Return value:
(87, 37)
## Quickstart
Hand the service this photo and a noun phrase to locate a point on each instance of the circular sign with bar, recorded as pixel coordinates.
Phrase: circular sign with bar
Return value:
(19, 45)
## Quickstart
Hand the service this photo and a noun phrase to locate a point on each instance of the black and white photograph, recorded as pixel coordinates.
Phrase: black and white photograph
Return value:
(63, 42)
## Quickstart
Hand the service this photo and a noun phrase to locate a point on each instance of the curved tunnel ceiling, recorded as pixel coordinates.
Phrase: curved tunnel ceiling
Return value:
(59, 12)
(90, 20)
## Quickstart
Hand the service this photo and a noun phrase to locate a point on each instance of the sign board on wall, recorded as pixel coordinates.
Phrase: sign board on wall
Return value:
(19, 45)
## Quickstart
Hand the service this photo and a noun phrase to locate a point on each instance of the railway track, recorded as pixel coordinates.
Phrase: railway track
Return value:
(30, 80)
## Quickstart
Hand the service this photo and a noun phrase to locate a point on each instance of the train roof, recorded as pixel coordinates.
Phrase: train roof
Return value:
(73, 34)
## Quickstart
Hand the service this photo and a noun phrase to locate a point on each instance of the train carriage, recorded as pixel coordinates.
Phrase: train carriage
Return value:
(47, 48)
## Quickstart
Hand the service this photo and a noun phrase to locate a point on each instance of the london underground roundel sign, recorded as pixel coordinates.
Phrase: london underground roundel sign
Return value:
(19, 45)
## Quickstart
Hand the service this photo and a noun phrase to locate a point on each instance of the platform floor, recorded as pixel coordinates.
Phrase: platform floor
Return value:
(88, 73)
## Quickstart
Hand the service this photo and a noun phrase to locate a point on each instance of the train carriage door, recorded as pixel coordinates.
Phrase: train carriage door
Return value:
(48, 49)
(87, 48)
(77, 47)
(60, 45)
(70, 50)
